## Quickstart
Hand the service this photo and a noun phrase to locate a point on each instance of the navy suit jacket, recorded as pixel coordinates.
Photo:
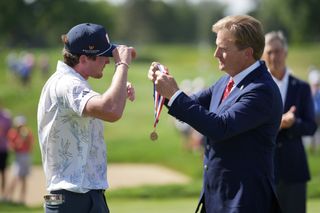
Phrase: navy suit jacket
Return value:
(290, 159)
(241, 134)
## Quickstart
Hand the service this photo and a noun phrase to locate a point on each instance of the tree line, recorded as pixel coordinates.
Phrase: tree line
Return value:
(39, 23)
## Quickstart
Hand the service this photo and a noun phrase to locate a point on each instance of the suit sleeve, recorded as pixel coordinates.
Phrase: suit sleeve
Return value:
(250, 110)
(305, 123)
(203, 98)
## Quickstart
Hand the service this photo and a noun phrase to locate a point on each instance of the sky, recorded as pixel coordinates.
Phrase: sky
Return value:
(234, 7)
(238, 6)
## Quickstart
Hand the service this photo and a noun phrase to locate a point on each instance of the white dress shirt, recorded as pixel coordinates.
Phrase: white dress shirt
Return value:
(283, 85)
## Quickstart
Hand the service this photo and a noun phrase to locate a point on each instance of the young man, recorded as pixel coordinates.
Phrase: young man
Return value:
(298, 119)
(70, 116)
(239, 115)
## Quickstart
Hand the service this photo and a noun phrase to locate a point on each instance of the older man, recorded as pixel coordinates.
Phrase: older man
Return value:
(298, 120)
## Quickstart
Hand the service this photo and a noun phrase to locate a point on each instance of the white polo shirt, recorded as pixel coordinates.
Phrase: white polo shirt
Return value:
(72, 146)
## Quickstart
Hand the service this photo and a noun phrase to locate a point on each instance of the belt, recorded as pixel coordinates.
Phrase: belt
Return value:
(59, 198)
(54, 199)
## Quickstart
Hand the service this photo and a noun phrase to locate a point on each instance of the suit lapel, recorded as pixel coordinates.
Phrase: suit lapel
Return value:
(290, 96)
(217, 93)
(240, 87)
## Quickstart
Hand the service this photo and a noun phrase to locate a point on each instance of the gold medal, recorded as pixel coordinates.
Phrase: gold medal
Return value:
(158, 104)
(153, 136)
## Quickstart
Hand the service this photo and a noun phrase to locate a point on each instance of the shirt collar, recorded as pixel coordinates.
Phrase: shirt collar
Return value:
(63, 67)
(285, 78)
(240, 76)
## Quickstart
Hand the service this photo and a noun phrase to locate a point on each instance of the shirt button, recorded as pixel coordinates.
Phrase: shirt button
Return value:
(205, 167)
(208, 147)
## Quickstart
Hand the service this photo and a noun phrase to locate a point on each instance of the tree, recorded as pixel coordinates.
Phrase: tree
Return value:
(297, 18)
(41, 22)
(157, 21)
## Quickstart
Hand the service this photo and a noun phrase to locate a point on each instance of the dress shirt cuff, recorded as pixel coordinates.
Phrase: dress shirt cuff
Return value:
(175, 95)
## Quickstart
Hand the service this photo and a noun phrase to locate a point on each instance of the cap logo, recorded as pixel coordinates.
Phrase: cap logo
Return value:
(91, 50)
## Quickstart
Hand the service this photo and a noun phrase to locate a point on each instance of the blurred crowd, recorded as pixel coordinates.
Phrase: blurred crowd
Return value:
(313, 142)
(16, 140)
(192, 140)
(22, 64)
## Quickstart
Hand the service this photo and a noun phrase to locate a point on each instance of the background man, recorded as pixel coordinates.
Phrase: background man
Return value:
(21, 140)
(298, 120)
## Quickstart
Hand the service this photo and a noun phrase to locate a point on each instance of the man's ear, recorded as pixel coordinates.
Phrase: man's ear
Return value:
(83, 59)
(249, 52)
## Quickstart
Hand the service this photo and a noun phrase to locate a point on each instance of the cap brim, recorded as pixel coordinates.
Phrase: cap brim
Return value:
(108, 52)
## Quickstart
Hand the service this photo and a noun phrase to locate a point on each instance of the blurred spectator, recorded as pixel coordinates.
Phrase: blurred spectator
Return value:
(44, 65)
(13, 63)
(192, 139)
(5, 125)
(314, 81)
(20, 142)
(27, 60)
(21, 66)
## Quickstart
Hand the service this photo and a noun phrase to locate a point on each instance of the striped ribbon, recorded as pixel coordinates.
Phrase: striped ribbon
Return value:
(158, 99)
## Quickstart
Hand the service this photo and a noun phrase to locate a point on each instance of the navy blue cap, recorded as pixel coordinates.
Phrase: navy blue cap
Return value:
(88, 39)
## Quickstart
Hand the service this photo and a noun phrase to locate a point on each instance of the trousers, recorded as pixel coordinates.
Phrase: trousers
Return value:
(93, 201)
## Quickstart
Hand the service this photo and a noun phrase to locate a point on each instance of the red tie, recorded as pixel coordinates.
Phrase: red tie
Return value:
(227, 89)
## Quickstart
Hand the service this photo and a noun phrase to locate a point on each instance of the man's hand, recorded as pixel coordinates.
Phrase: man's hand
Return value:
(130, 92)
(124, 54)
(288, 118)
(165, 84)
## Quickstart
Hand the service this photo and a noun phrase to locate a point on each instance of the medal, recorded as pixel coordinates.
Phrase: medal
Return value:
(158, 104)
(153, 135)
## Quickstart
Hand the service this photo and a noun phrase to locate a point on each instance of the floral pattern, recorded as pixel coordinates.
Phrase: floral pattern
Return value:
(72, 146)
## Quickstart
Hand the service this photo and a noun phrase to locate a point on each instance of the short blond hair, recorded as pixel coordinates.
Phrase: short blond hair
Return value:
(247, 31)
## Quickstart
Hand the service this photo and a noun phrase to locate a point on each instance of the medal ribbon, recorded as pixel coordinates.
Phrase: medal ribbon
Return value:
(158, 99)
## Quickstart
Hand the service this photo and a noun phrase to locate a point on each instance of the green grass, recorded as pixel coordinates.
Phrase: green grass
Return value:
(313, 205)
(183, 205)
(128, 139)
(314, 184)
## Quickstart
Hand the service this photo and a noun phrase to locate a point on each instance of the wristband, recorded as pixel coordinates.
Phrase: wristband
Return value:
(122, 63)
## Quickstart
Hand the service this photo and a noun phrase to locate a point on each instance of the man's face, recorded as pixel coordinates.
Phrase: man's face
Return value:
(231, 59)
(275, 56)
(95, 67)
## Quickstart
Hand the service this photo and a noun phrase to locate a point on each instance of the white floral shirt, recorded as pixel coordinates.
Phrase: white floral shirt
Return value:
(72, 145)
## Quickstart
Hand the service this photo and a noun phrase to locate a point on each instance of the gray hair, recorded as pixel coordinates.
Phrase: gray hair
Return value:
(277, 35)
